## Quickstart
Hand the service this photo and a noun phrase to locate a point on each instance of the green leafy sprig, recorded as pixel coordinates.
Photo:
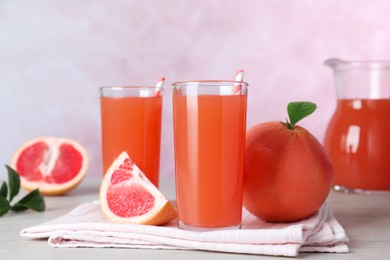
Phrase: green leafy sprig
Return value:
(297, 111)
(33, 200)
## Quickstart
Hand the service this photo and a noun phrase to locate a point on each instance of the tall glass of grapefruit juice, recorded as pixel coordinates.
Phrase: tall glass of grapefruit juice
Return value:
(209, 139)
(131, 122)
(358, 135)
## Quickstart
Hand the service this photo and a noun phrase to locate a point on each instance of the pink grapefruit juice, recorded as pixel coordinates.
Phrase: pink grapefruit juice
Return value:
(358, 143)
(132, 124)
(209, 137)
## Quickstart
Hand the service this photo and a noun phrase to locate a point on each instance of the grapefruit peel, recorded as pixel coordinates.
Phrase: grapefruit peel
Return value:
(128, 197)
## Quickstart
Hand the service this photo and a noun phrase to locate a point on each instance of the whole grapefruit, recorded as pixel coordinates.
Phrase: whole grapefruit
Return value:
(288, 174)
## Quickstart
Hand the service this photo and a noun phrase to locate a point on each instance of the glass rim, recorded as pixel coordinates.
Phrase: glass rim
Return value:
(338, 64)
(131, 91)
(127, 87)
(210, 82)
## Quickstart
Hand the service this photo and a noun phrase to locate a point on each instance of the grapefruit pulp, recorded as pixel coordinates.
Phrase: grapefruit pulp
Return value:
(127, 196)
(53, 165)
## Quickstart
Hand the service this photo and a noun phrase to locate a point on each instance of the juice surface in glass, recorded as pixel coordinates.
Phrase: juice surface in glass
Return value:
(132, 124)
(358, 143)
(209, 135)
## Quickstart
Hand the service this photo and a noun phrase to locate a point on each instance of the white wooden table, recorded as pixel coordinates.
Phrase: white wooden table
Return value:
(365, 218)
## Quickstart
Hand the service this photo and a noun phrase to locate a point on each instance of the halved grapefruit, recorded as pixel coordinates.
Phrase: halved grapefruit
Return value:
(53, 165)
(127, 196)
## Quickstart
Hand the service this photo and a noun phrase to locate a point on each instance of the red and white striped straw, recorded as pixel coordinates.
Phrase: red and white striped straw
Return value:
(240, 75)
(239, 78)
(159, 86)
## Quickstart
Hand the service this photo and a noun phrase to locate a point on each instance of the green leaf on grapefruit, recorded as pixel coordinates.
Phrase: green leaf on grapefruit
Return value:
(297, 111)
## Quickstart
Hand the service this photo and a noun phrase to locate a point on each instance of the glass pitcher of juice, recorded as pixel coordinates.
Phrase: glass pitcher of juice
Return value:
(358, 136)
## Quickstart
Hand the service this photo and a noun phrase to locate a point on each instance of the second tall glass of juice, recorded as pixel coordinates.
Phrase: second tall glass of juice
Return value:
(209, 138)
(131, 122)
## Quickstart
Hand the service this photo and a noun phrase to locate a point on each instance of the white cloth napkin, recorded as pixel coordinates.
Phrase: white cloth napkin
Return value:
(85, 226)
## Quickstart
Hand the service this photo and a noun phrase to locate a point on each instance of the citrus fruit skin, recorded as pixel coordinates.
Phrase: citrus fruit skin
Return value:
(51, 164)
(288, 174)
(127, 196)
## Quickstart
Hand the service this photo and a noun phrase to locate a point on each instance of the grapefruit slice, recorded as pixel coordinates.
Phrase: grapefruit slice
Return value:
(53, 165)
(127, 196)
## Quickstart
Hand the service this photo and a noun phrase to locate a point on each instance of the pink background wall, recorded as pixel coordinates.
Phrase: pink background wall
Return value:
(55, 54)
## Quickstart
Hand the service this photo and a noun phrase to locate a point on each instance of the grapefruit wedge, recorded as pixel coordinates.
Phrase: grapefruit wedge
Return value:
(53, 165)
(127, 196)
